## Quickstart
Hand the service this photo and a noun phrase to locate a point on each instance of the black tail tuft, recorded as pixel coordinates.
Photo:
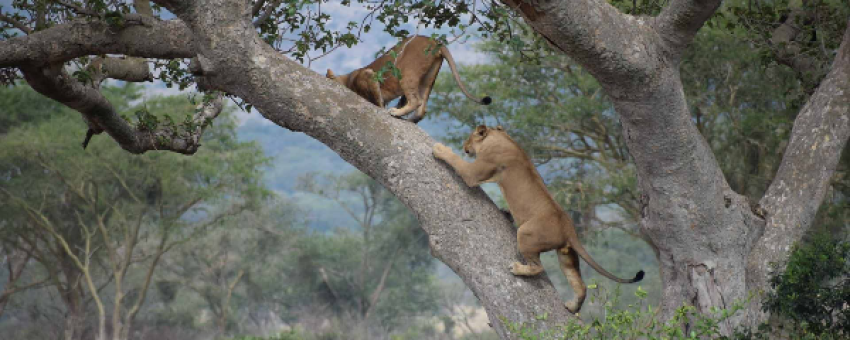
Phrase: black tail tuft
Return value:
(638, 276)
(486, 101)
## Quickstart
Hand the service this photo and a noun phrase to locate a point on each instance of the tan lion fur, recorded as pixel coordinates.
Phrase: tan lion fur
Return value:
(419, 59)
(543, 225)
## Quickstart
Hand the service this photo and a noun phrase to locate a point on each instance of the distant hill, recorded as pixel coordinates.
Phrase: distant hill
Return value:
(295, 154)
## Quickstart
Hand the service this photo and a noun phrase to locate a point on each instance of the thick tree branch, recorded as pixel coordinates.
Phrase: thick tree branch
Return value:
(169, 39)
(819, 135)
(258, 6)
(687, 208)
(679, 22)
(56, 84)
(267, 14)
(130, 69)
(614, 47)
(466, 230)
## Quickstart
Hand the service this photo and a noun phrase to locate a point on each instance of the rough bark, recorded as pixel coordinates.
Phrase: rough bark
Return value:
(466, 230)
(704, 231)
(157, 39)
(819, 135)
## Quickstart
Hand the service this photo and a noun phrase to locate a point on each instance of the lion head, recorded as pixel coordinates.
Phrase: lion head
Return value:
(477, 137)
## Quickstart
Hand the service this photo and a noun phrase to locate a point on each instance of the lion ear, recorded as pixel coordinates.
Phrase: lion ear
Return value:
(481, 130)
(500, 128)
(330, 74)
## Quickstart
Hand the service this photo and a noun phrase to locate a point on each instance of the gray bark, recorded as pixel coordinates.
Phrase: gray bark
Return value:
(156, 39)
(820, 134)
(712, 248)
(466, 230)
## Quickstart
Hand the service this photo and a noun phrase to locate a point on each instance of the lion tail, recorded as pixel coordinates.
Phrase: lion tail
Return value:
(579, 249)
(448, 55)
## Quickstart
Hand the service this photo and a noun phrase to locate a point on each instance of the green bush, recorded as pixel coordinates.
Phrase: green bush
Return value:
(813, 293)
(288, 335)
(814, 289)
(633, 322)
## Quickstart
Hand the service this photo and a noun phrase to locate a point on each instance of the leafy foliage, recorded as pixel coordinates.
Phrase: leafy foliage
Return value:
(814, 289)
(633, 322)
(350, 268)
(102, 217)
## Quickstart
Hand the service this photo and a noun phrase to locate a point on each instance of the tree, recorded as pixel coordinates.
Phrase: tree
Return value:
(377, 273)
(743, 106)
(99, 221)
(713, 247)
(236, 269)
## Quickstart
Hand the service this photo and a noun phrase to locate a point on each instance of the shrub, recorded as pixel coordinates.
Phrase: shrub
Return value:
(814, 289)
(813, 292)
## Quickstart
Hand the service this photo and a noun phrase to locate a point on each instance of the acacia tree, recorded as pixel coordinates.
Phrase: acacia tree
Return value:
(377, 273)
(99, 222)
(713, 247)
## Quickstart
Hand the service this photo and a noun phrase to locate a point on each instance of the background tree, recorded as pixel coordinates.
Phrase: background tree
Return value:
(378, 274)
(235, 269)
(100, 220)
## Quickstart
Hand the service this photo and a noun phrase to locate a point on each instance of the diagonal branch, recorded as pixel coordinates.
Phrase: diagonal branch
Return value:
(788, 51)
(611, 45)
(679, 22)
(267, 14)
(169, 39)
(76, 8)
(819, 135)
(258, 6)
(56, 84)
(15, 23)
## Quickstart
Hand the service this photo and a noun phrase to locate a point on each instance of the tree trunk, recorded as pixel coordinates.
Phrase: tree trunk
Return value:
(75, 320)
(820, 133)
(711, 249)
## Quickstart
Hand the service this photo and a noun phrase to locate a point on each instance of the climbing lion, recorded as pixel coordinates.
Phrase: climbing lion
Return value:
(543, 226)
(419, 59)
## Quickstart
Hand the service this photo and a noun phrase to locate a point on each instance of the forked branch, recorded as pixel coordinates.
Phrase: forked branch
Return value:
(679, 22)
(820, 133)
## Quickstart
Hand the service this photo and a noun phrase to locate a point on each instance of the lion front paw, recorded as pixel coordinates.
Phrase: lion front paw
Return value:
(441, 151)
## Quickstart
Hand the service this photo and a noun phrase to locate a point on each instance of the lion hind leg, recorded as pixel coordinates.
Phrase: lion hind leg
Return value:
(411, 95)
(530, 251)
(402, 101)
(569, 264)
(425, 88)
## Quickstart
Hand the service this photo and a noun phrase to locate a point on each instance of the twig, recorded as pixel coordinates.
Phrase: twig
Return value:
(17, 24)
(267, 14)
(77, 9)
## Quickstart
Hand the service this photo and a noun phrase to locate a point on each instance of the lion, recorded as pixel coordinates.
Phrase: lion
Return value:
(543, 225)
(419, 59)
